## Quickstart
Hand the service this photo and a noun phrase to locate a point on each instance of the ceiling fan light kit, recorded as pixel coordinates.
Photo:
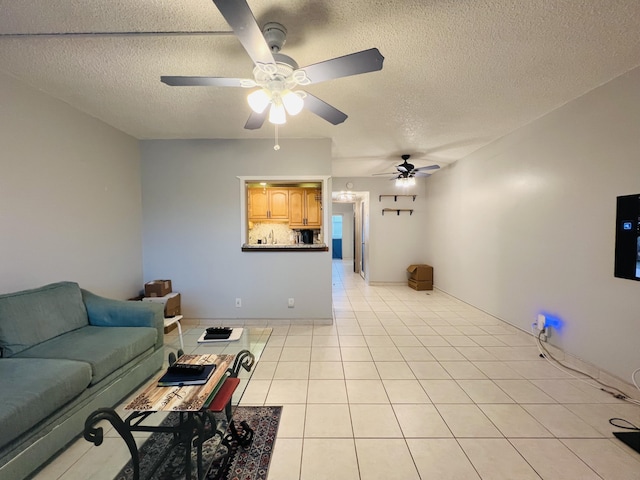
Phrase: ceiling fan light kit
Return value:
(277, 75)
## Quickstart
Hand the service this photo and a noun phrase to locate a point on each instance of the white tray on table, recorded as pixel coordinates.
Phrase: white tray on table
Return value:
(236, 333)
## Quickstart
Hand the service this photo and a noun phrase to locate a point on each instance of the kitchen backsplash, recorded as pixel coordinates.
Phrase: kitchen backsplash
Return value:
(277, 233)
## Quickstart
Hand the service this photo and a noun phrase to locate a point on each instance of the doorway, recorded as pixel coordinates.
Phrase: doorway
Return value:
(336, 236)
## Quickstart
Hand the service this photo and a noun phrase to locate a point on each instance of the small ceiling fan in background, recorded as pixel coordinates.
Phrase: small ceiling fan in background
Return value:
(406, 172)
(277, 75)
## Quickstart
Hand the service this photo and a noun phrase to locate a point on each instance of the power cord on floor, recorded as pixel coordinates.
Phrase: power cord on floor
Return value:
(613, 391)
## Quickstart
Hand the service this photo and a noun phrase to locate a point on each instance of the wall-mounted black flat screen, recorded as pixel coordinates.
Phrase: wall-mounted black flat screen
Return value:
(628, 237)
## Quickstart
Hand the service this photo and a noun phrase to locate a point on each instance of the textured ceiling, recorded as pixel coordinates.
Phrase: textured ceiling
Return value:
(457, 73)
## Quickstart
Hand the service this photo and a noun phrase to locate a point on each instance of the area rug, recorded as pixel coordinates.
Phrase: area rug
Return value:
(250, 463)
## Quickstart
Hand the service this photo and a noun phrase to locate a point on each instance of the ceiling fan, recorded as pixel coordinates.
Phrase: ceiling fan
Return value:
(277, 75)
(406, 172)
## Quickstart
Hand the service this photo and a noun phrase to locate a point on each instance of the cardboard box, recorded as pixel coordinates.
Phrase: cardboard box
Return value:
(171, 303)
(421, 273)
(418, 285)
(157, 288)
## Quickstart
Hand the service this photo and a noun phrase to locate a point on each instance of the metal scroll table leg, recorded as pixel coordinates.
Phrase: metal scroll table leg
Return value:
(95, 434)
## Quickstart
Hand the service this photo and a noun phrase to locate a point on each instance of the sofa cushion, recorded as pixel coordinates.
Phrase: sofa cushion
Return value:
(33, 316)
(34, 388)
(105, 348)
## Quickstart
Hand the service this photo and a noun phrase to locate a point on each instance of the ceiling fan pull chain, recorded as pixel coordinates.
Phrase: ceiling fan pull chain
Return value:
(276, 147)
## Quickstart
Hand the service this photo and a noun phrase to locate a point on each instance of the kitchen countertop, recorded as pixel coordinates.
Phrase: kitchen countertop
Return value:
(276, 247)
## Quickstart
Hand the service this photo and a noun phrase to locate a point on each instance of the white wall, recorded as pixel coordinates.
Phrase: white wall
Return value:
(69, 197)
(527, 224)
(395, 241)
(192, 229)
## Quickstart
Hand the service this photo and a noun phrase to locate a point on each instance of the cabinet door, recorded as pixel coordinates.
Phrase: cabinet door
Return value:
(278, 204)
(314, 208)
(296, 207)
(258, 204)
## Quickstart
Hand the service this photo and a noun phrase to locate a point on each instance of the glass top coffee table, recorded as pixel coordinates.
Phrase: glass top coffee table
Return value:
(204, 414)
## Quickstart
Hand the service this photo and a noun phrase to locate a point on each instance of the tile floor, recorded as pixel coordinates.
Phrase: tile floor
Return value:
(413, 385)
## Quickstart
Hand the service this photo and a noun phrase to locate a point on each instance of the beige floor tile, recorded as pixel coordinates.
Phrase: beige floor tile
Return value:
(445, 391)
(373, 330)
(325, 341)
(496, 459)
(443, 354)
(484, 391)
(536, 369)
(326, 370)
(366, 391)
(514, 421)
(329, 459)
(282, 392)
(418, 353)
(394, 370)
(430, 341)
(292, 371)
(405, 341)
(270, 354)
(360, 370)
(553, 460)
(598, 415)
(421, 421)
(256, 392)
(405, 391)
(355, 354)
(349, 330)
(561, 422)
(463, 370)
(395, 463)
(286, 460)
(564, 392)
(609, 458)
(523, 391)
(325, 354)
(99, 463)
(465, 420)
(441, 459)
(327, 391)
(429, 371)
(328, 421)
(295, 354)
(352, 341)
(381, 340)
(459, 341)
(264, 370)
(292, 421)
(298, 341)
(374, 421)
(386, 354)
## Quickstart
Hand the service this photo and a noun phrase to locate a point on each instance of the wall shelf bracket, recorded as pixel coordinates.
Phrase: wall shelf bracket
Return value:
(398, 210)
(395, 197)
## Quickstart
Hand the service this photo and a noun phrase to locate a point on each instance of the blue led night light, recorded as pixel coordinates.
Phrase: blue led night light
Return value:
(553, 321)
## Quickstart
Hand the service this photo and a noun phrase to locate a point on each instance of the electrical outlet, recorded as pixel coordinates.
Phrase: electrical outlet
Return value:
(542, 322)
(292, 303)
(238, 302)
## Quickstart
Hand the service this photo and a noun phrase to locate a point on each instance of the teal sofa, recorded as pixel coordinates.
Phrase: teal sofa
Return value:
(64, 352)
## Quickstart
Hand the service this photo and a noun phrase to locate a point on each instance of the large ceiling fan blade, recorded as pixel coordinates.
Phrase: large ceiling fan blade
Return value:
(385, 174)
(352, 64)
(240, 18)
(202, 81)
(430, 167)
(324, 110)
(256, 120)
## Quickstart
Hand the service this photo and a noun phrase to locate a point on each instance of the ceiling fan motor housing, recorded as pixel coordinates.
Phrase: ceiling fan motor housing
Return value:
(275, 34)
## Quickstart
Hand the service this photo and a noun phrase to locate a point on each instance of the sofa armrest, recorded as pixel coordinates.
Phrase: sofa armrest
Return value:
(107, 312)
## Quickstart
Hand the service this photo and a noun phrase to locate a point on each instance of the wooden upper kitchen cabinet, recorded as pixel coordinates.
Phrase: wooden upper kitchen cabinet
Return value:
(305, 208)
(268, 204)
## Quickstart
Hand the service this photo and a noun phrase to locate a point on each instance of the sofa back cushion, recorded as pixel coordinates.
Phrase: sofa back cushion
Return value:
(32, 316)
